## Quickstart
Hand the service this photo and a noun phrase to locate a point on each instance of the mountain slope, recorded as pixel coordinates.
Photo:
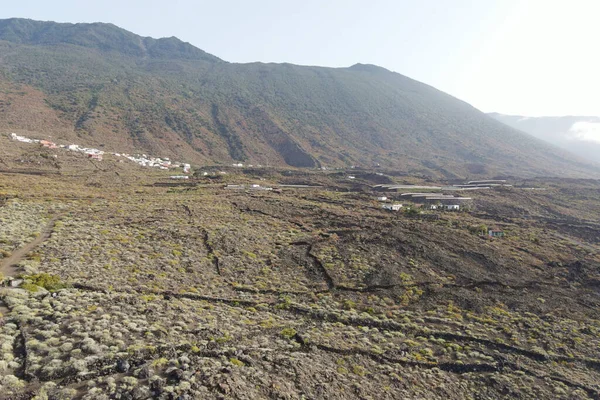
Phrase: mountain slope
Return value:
(99, 36)
(102, 85)
(579, 135)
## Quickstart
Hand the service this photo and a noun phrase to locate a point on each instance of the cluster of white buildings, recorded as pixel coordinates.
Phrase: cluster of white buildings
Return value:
(389, 206)
(437, 201)
(143, 160)
(91, 153)
(432, 201)
(248, 187)
(447, 207)
(151, 162)
(240, 165)
(23, 139)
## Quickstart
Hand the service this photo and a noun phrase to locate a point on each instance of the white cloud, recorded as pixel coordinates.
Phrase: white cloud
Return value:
(585, 131)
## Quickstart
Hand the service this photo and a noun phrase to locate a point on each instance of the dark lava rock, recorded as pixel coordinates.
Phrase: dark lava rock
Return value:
(124, 396)
(212, 345)
(143, 372)
(157, 385)
(175, 376)
(123, 365)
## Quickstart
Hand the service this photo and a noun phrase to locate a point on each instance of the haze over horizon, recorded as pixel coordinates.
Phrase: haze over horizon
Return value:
(532, 59)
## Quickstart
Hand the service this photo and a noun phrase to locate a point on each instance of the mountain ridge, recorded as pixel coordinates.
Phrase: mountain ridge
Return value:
(97, 35)
(188, 103)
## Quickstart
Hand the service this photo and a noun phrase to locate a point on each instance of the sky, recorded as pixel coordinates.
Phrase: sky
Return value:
(532, 57)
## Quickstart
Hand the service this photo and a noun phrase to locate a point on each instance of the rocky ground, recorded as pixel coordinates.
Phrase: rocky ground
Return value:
(185, 291)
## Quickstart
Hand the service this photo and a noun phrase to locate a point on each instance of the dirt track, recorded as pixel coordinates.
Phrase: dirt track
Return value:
(7, 265)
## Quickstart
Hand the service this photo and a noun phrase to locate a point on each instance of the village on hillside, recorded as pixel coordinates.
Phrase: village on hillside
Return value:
(425, 201)
(163, 163)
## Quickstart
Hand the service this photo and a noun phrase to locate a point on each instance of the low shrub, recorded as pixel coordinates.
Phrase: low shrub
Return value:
(47, 281)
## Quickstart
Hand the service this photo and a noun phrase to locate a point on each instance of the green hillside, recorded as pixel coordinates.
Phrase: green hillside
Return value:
(101, 85)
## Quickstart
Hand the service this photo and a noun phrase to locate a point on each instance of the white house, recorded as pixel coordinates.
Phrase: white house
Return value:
(392, 207)
(382, 198)
(452, 207)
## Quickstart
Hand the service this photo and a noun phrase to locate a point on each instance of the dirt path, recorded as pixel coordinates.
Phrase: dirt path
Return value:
(8, 265)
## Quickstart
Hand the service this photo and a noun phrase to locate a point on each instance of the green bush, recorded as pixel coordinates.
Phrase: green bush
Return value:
(47, 281)
(30, 287)
(288, 332)
(236, 362)
(411, 211)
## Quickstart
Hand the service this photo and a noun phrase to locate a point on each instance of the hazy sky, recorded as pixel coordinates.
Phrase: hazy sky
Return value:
(529, 57)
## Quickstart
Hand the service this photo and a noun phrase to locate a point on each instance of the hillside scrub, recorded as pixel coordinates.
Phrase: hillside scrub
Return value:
(154, 292)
